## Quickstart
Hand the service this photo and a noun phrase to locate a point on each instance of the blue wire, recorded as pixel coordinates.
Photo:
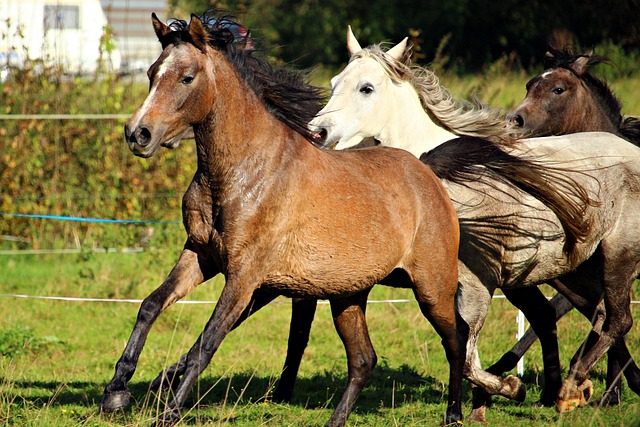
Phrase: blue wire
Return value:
(82, 219)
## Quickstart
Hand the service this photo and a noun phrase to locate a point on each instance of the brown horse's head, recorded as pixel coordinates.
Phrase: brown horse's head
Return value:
(179, 84)
(565, 98)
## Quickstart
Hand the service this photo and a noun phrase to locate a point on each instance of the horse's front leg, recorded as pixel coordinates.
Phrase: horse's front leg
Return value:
(188, 273)
(349, 320)
(302, 316)
(232, 303)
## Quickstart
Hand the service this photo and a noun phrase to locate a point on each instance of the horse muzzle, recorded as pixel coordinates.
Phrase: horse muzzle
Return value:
(139, 140)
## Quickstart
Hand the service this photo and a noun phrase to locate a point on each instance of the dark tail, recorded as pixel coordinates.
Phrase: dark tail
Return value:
(466, 159)
(630, 130)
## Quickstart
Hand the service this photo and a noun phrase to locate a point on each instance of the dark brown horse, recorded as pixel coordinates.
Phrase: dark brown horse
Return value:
(278, 216)
(563, 99)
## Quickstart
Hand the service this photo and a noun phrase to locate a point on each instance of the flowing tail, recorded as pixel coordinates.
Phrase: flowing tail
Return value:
(466, 159)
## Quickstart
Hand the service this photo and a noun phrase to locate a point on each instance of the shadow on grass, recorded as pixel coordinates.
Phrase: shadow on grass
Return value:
(318, 391)
(389, 387)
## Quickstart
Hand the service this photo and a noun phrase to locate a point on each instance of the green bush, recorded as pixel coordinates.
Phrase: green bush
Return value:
(80, 167)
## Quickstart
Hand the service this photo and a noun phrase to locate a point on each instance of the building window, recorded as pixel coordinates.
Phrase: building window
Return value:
(58, 17)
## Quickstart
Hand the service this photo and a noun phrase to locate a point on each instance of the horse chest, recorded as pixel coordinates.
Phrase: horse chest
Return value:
(201, 215)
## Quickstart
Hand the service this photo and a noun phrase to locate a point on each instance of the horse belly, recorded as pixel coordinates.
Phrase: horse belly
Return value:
(329, 270)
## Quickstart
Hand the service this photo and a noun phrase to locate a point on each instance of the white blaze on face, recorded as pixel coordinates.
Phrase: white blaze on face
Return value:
(143, 110)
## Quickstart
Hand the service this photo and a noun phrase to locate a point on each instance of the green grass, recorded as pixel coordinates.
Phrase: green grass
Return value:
(64, 354)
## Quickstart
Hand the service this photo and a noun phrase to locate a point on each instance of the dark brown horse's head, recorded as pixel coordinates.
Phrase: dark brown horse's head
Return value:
(565, 98)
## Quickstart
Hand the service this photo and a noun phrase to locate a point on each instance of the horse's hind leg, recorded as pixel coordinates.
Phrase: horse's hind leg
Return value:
(302, 314)
(439, 307)
(188, 273)
(618, 277)
(350, 322)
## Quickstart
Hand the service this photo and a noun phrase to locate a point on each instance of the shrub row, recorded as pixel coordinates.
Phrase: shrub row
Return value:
(80, 167)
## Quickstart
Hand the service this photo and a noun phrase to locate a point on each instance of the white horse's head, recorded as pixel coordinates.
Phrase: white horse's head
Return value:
(360, 101)
(379, 96)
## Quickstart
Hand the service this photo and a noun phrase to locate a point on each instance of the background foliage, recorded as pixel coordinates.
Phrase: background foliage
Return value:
(311, 32)
(83, 168)
(80, 167)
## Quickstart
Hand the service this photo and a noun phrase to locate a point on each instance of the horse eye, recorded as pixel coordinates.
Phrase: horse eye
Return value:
(366, 89)
(187, 80)
(558, 90)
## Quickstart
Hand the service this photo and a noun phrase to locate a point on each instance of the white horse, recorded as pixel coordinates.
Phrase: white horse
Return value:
(510, 239)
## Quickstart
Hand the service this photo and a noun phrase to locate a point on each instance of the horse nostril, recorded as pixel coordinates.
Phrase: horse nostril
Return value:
(322, 134)
(518, 120)
(143, 136)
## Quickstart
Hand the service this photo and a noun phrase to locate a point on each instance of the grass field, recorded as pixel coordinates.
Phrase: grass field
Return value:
(59, 355)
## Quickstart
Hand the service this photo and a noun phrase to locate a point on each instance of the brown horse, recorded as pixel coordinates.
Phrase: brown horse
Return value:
(565, 98)
(278, 216)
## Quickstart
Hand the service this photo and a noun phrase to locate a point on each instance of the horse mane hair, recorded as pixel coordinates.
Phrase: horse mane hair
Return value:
(628, 128)
(285, 92)
(461, 117)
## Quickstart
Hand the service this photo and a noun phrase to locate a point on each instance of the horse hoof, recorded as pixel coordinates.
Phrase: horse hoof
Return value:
(517, 389)
(115, 400)
(586, 389)
(478, 415)
(572, 397)
(545, 402)
(169, 418)
(280, 396)
(608, 399)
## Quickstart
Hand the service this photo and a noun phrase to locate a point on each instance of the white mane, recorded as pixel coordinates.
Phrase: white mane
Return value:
(457, 116)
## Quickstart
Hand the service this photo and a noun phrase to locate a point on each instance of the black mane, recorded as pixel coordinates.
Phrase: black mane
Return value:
(285, 92)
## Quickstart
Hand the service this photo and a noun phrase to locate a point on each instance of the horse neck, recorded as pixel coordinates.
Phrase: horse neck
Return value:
(592, 118)
(410, 127)
(239, 137)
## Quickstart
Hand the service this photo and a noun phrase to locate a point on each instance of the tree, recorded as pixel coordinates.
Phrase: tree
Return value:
(310, 32)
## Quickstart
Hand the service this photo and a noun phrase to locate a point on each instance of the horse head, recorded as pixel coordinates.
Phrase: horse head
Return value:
(361, 98)
(565, 98)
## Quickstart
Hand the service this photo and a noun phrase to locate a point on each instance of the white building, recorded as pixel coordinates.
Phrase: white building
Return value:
(130, 21)
(69, 32)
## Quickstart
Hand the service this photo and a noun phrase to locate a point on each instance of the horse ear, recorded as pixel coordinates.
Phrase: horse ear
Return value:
(352, 43)
(198, 33)
(581, 65)
(159, 27)
(397, 52)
